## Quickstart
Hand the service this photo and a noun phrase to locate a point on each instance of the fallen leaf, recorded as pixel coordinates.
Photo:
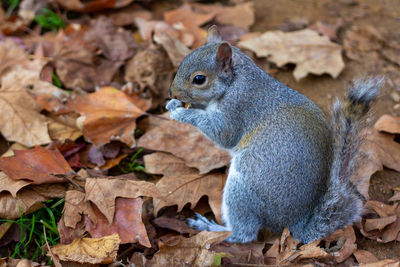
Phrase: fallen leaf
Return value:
(109, 115)
(396, 195)
(379, 224)
(151, 70)
(38, 165)
(174, 224)
(185, 19)
(75, 206)
(329, 30)
(10, 185)
(382, 263)
(181, 185)
(193, 251)
(241, 254)
(11, 55)
(175, 49)
(240, 15)
(388, 124)
(128, 15)
(347, 238)
(378, 150)
(116, 44)
(364, 256)
(63, 127)
(28, 200)
(127, 222)
(92, 5)
(68, 234)
(102, 192)
(187, 143)
(311, 52)
(89, 250)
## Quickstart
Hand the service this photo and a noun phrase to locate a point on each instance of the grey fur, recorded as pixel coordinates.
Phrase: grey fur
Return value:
(289, 167)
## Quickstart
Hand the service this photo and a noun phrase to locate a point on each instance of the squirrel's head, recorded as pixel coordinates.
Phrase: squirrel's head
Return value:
(205, 74)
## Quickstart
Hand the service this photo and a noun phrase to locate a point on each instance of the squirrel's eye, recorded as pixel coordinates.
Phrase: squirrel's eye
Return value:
(199, 79)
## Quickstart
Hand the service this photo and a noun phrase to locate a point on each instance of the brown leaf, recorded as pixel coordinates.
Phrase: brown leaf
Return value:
(239, 254)
(89, 250)
(174, 224)
(187, 143)
(190, 21)
(379, 224)
(127, 222)
(92, 5)
(11, 55)
(396, 195)
(241, 15)
(102, 192)
(175, 49)
(329, 30)
(311, 52)
(109, 115)
(382, 263)
(364, 256)
(75, 206)
(194, 251)
(181, 184)
(28, 200)
(348, 239)
(388, 124)
(378, 149)
(68, 234)
(63, 127)
(10, 185)
(39, 165)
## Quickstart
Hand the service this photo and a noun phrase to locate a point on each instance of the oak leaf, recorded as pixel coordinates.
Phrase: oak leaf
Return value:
(103, 192)
(187, 143)
(311, 52)
(127, 222)
(109, 114)
(89, 250)
(38, 165)
(181, 184)
(193, 251)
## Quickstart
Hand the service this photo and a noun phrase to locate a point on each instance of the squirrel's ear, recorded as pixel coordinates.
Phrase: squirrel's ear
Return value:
(213, 35)
(224, 56)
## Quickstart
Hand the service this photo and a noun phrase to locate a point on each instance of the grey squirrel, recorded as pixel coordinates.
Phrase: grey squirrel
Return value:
(290, 167)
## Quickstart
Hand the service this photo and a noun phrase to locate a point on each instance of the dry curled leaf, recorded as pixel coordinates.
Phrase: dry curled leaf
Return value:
(194, 251)
(127, 222)
(28, 200)
(109, 114)
(187, 143)
(310, 52)
(38, 165)
(89, 250)
(75, 206)
(102, 192)
(347, 239)
(11, 185)
(181, 184)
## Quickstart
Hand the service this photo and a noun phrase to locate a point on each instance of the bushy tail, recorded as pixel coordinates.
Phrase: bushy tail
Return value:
(342, 204)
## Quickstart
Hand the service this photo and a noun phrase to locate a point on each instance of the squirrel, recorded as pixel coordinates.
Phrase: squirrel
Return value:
(290, 167)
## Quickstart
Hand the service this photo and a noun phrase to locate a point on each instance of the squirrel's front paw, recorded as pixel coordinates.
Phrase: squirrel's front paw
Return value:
(173, 104)
(178, 114)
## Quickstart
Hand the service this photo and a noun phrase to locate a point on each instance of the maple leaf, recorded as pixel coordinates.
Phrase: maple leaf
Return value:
(127, 222)
(102, 192)
(193, 251)
(38, 165)
(187, 143)
(181, 185)
(89, 250)
(311, 52)
(110, 114)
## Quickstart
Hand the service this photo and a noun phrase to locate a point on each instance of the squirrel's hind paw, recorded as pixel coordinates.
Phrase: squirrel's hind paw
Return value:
(202, 223)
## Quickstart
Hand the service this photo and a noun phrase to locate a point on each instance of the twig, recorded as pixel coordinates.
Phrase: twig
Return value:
(56, 261)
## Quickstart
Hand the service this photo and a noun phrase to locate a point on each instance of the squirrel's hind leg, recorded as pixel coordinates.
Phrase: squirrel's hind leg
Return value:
(202, 223)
